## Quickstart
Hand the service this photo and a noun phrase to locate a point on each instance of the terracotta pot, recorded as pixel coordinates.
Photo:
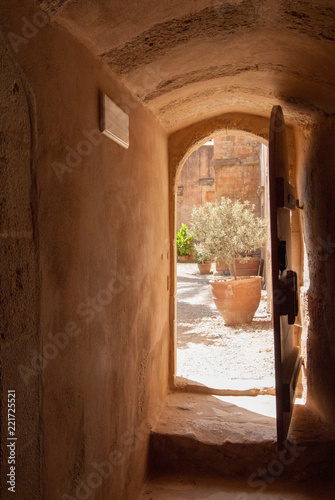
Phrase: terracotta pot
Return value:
(183, 258)
(191, 255)
(204, 268)
(237, 300)
(249, 268)
(221, 266)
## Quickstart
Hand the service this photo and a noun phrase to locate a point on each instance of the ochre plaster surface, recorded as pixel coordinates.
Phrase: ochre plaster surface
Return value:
(208, 57)
(103, 239)
(19, 279)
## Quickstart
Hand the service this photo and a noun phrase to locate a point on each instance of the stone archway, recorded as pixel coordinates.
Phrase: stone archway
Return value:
(181, 145)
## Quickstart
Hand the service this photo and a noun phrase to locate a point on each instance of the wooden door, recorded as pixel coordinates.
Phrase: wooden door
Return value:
(284, 279)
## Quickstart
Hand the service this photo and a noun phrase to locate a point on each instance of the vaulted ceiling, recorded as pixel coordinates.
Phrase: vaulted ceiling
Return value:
(190, 60)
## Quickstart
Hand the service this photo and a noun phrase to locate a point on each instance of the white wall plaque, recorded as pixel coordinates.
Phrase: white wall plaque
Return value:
(114, 122)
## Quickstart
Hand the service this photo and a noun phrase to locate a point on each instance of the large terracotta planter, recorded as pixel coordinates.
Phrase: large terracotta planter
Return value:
(249, 268)
(205, 267)
(237, 300)
(221, 266)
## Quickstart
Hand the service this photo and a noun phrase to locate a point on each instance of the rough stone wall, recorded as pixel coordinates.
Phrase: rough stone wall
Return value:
(103, 233)
(316, 183)
(196, 183)
(237, 169)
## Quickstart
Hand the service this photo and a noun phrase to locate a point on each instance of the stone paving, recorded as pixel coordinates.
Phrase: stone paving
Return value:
(216, 355)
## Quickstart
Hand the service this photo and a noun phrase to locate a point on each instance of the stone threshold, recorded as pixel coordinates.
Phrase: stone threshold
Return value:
(210, 435)
(232, 387)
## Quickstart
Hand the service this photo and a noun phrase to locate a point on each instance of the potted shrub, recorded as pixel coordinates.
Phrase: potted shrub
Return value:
(202, 258)
(249, 265)
(228, 230)
(184, 243)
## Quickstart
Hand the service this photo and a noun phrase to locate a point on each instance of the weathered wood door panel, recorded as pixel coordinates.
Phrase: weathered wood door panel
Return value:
(284, 280)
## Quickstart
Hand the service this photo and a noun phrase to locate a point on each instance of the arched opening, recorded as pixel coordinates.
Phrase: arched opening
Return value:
(181, 145)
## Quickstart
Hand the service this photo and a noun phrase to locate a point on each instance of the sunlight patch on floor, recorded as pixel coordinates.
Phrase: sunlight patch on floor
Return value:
(263, 405)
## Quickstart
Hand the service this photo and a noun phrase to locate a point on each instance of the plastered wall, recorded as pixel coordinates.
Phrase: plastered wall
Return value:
(19, 285)
(99, 351)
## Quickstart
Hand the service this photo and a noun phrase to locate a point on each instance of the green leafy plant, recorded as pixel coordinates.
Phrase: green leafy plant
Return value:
(184, 241)
(227, 230)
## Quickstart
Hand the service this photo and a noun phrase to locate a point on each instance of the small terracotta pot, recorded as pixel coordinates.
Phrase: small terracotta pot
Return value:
(237, 300)
(205, 267)
(183, 258)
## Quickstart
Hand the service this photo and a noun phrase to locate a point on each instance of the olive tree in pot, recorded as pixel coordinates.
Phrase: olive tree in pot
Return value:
(228, 230)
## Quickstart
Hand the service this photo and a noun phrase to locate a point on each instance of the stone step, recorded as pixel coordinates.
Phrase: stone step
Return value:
(169, 487)
(236, 436)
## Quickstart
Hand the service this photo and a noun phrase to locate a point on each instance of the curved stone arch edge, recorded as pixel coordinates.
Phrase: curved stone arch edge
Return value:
(181, 144)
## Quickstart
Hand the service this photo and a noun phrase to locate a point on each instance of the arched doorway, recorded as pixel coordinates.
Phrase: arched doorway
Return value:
(209, 353)
(181, 145)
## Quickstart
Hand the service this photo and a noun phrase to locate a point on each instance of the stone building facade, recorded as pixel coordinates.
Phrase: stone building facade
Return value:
(196, 182)
(237, 165)
(232, 166)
